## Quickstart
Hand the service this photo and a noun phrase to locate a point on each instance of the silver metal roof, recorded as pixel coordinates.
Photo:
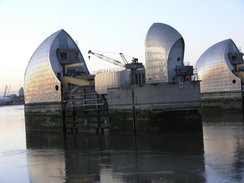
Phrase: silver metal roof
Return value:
(215, 69)
(41, 82)
(159, 42)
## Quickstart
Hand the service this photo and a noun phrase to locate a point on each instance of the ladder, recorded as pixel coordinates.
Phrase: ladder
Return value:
(86, 111)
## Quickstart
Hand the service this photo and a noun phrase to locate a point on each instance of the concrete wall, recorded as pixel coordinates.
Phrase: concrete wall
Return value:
(156, 96)
(161, 107)
(43, 116)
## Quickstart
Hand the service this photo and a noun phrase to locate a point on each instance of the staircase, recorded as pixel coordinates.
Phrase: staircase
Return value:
(85, 111)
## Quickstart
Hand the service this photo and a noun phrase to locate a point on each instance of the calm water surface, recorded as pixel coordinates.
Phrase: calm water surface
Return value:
(216, 155)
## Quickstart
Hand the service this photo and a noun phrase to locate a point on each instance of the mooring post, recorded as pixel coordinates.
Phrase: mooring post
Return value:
(133, 110)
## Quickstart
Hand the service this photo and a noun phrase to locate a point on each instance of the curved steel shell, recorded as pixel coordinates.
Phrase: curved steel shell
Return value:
(41, 82)
(215, 69)
(159, 42)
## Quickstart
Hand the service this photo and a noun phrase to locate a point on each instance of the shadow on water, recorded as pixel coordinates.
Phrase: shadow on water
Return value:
(116, 158)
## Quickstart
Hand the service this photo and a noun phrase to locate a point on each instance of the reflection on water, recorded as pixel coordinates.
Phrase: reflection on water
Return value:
(224, 151)
(216, 155)
(46, 156)
(224, 145)
(115, 158)
(13, 145)
(146, 158)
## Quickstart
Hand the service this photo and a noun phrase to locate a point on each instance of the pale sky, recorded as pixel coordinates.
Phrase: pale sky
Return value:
(111, 26)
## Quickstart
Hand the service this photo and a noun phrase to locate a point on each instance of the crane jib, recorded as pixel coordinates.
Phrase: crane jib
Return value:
(132, 66)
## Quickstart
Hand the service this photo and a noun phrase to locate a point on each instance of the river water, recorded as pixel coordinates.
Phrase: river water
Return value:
(215, 155)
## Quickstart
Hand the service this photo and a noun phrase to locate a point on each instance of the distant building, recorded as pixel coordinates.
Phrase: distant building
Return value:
(21, 92)
(4, 100)
(221, 70)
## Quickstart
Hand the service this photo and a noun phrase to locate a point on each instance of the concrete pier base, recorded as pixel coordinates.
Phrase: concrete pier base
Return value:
(44, 116)
(155, 121)
(222, 100)
(161, 107)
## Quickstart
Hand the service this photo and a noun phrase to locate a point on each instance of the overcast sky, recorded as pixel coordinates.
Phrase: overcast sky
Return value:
(111, 26)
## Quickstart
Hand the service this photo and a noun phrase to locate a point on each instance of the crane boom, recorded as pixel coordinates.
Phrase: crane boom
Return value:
(8, 89)
(106, 58)
(132, 66)
(123, 58)
(5, 91)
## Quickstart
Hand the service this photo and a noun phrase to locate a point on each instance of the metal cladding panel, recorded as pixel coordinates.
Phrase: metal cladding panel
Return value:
(215, 69)
(41, 83)
(159, 41)
(103, 81)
